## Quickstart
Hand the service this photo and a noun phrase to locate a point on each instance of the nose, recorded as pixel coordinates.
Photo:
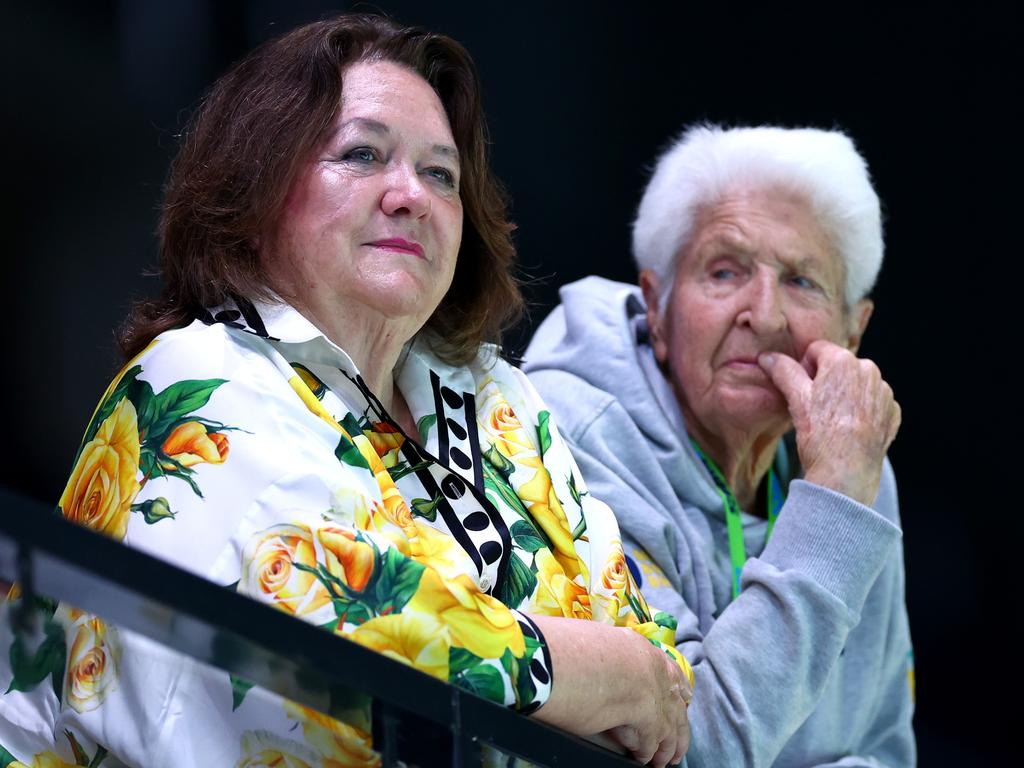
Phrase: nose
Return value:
(405, 193)
(763, 311)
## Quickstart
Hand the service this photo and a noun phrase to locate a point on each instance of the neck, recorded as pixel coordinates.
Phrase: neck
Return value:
(743, 459)
(374, 343)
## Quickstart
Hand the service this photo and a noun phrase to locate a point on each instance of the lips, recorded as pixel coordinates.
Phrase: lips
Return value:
(399, 245)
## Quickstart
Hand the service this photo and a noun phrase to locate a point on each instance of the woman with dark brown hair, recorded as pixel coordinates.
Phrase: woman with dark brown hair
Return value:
(315, 413)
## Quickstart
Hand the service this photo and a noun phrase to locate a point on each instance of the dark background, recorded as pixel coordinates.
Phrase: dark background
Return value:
(580, 98)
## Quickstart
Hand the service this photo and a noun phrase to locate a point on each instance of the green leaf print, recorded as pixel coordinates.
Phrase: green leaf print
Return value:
(154, 510)
(484, 681)
(351, 425)
(107, 406)
(81, 758)
(179, 400)
(397, 579)
(544, 432)
(99, 757)
(518, 671)
(6, 758)
(348, 604)
(239, 688)
(497, 486)
(349, 454)
(526, 536)
(461, 659)
(638, 609)
(497, 459)
(666, 620)
(31, 668)
(519, 584)
(426, 508)
(402, 468)
(574, 491)
(142, 397)
(424, 425)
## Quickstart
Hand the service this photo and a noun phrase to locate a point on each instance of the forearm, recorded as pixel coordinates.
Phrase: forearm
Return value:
(594, 669)
(762, 668)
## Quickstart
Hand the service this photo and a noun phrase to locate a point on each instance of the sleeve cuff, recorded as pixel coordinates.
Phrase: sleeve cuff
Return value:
(831, 538)
(539, 673)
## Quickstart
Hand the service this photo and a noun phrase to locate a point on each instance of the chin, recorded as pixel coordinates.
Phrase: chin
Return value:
(401, 299)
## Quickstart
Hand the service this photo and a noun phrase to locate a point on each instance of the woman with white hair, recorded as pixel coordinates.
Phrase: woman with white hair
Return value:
(720, 409)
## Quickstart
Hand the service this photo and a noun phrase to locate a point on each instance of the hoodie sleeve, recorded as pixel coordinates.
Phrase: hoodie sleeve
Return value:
(762, 662)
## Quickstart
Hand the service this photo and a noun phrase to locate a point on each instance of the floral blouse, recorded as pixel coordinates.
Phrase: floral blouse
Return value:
(273, 471)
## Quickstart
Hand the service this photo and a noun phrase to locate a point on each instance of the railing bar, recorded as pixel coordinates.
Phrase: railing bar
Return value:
(186, 613)
(465, 745)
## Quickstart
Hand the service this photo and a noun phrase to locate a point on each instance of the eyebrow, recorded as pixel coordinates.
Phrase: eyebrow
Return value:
(379, 128)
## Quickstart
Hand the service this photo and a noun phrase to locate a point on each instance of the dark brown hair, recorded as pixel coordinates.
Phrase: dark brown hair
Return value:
(252, 135)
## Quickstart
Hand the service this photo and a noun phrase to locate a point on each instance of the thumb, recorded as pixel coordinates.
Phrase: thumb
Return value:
(788, 375)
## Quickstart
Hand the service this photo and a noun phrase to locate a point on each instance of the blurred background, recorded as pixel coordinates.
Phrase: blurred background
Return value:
(581, 96)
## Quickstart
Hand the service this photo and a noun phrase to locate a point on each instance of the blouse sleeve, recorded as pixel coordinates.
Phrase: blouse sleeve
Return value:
(230, 474)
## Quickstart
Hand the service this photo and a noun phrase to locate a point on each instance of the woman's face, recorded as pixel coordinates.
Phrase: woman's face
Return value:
(759, 274)
(373, 224)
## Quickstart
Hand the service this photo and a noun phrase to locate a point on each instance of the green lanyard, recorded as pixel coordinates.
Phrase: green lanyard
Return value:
(734, 523)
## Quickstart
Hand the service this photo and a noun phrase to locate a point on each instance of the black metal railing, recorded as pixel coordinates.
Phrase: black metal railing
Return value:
(48, 556)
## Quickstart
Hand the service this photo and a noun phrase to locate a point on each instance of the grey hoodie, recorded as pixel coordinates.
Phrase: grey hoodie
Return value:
(812, 664)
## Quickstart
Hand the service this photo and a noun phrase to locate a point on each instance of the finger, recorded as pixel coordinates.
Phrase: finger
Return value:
(666, 750)
(818, 350)
(683, 744)
(788, 375)
(646, 747)
(895, 422)
(627, 736)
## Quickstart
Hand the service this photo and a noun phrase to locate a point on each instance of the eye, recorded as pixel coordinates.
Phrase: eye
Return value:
(361, 155)
(723, 273)
(801, 281)
(443, 175)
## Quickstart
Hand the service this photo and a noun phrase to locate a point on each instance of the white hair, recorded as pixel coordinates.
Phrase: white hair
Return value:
(707, 162)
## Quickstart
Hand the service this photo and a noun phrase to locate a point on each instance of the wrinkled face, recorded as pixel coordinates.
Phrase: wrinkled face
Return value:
(758, 274)
(375, 221)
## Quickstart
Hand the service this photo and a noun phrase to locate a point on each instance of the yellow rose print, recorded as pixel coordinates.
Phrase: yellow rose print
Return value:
(268, 573)
(340, 745)
(261, 749)
(438, 551)
(348, 559)
(557, 594)
(386, 441)
(416, 639)
(615, 574)
(540, 500)
(44, 760)
(93, 660)
(478, 622)
(509, 436)
(190, 444)
(103, 484)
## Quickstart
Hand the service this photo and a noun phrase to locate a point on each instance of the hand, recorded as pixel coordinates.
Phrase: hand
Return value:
(660, 732)
(614, 682)
(844, 414)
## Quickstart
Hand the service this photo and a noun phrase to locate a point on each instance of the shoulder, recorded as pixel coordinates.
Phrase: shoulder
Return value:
(579, 405)
(207, 380)
(200, 349)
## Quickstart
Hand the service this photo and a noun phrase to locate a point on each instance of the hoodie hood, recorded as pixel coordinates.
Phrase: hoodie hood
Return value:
(599, 334)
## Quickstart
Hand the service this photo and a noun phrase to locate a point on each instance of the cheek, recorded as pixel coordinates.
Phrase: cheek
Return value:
(806, 329)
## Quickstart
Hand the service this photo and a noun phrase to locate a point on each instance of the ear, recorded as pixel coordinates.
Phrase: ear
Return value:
(857, 322)
(651, 288)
